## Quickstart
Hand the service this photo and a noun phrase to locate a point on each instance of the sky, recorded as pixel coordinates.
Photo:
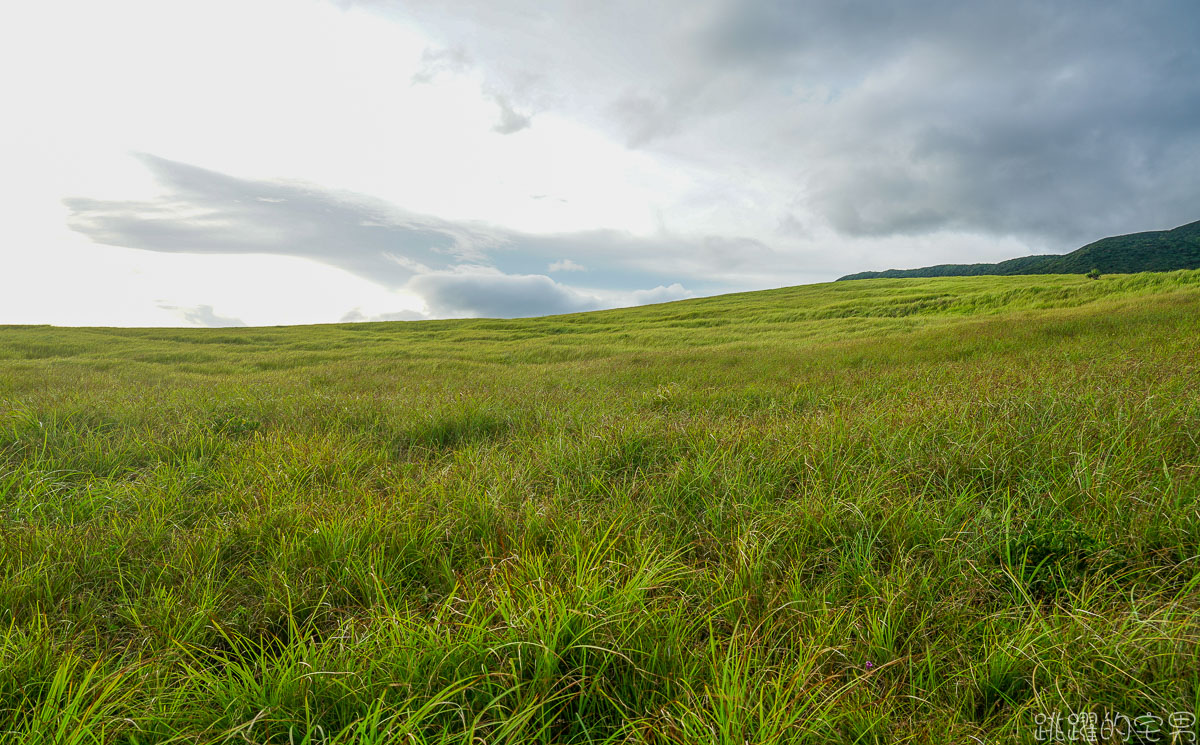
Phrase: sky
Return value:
(263, 162)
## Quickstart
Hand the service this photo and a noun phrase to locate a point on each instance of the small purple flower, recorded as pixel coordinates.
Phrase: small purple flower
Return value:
(870, 665)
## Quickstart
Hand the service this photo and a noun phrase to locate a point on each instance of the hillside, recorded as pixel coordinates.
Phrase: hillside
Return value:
(924, 511)
(1154, 251)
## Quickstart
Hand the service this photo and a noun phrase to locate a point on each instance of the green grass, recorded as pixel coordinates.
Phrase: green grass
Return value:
(867, 512)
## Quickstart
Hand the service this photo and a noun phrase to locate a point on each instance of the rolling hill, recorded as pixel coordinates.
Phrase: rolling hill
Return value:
(1154, 251)
(920, 511)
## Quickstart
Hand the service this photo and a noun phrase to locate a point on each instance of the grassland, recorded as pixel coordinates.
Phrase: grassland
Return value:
(875, 511)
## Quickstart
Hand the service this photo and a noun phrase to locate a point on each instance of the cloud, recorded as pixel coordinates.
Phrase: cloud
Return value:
(205, 211)
(356, 315)
(660, 294)
(204, 315)
(457, 269)
(455, 61)
(474, 291)
(484, 292)
(1059, 122)
(511, 121)
(435, 62)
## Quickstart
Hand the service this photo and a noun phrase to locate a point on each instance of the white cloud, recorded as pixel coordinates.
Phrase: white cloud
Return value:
(469, 291)
(479, 291)
(204, 316)
(511, 120)
(356, 315)
(661, 294)
(566, 265)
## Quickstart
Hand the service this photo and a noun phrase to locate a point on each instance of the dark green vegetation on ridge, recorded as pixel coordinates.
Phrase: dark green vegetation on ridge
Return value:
(1154, 251)
(867, 512)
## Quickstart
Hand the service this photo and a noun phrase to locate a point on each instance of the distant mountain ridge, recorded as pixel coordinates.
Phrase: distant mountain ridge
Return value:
(1153, 251)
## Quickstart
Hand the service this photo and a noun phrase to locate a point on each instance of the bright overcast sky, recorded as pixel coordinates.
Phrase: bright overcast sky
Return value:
(301, 161)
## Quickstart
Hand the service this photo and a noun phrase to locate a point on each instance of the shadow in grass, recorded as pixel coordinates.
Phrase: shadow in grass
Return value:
(1003, 685)
(1054, 556)
(452, 428)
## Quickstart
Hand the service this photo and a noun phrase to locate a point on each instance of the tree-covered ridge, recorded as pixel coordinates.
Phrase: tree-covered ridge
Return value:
(1153, 251)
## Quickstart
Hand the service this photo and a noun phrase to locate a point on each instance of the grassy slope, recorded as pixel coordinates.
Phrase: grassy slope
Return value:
(1153, 251)
(856, 512)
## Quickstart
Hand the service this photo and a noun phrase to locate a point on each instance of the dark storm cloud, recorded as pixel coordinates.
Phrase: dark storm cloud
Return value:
(1059, 122)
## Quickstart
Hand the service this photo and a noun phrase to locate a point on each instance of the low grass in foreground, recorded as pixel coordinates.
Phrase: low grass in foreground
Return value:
(877, 511)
